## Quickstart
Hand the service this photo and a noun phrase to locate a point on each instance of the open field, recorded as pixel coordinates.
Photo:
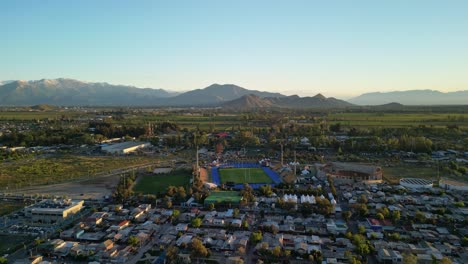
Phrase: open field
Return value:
(395, 173)
(9, 243)
(399, 119)
(95, 188)
(49, 170)
(9, 207)
(154, 184)
(242, 175)
(33, 115)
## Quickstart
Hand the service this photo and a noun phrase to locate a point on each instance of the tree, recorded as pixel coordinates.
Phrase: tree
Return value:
(363, 249)
(380, 216)
(385, 212)
(197, 249)
(256, 237)
(362, 245)
(394, 236)
(420, 217)
(180, 193)
(3, 260)
(316, 256)
(236, 212)
(362, 199)
(266, 190)
(362, 229)
(409, 258)
(211, 206)
(172, 254)
(354, 260)
(196, 222)
(346, 215)
(324, 206)
(445, 260)
(465, 241)
(395, 216)
(276, 252)
(175, 213)
(133, 241)
(362, 209)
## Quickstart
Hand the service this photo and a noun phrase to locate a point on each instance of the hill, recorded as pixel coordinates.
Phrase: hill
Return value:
(413, 97)
(43, 107)
(73, 92)
(216, 94)
(249, 101)
(294, 101)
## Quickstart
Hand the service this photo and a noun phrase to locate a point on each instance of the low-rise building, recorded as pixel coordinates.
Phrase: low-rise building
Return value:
(350, 172)
(53, 211)
(389, 256)
(125, 147)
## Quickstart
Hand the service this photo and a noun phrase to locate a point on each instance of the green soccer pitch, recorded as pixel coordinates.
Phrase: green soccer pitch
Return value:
(243, 175)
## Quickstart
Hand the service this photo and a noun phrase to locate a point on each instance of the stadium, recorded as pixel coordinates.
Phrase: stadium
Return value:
(234, 175)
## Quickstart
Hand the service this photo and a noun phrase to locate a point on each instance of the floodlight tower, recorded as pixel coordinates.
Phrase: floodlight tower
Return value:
(197, 168)
(281, 143)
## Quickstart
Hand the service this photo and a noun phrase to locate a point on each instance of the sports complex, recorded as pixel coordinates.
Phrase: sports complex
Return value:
(236, 174)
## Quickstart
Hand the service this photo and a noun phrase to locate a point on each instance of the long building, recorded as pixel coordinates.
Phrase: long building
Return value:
(53, 211)
(125, 147)
(353, 172)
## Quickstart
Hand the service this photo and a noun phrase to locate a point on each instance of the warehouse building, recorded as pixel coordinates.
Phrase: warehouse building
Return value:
(53, 211)
(352, 172)
(124, 147)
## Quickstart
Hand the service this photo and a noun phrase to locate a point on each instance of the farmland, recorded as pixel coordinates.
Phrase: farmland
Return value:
(62, 168)
(399, 119)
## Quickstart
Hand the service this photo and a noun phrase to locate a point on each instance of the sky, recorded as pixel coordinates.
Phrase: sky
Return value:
(338, 48)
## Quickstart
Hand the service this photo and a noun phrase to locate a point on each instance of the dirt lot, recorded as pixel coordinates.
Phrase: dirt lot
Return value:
(86, 189)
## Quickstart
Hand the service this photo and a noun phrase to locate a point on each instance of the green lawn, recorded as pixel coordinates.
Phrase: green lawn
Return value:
(244, 175)
(152, 184)
(223, 197)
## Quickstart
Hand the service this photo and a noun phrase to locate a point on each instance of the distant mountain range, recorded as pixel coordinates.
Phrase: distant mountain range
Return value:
(73, 92)
(412, 97)
(69, 92)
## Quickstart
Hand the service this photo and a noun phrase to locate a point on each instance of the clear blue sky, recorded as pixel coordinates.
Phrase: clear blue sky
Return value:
(338, 48)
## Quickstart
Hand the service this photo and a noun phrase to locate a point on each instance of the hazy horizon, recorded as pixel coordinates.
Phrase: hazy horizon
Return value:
(340, 48)
(286, 92)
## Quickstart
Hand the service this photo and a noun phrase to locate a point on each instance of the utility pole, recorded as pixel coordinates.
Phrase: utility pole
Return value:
(281, 154)
(197, 168)
(295, 163)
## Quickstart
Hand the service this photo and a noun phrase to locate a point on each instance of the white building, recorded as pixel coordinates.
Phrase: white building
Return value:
(125, 147)
(415, 183)
(53, 211)
(453, 185)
